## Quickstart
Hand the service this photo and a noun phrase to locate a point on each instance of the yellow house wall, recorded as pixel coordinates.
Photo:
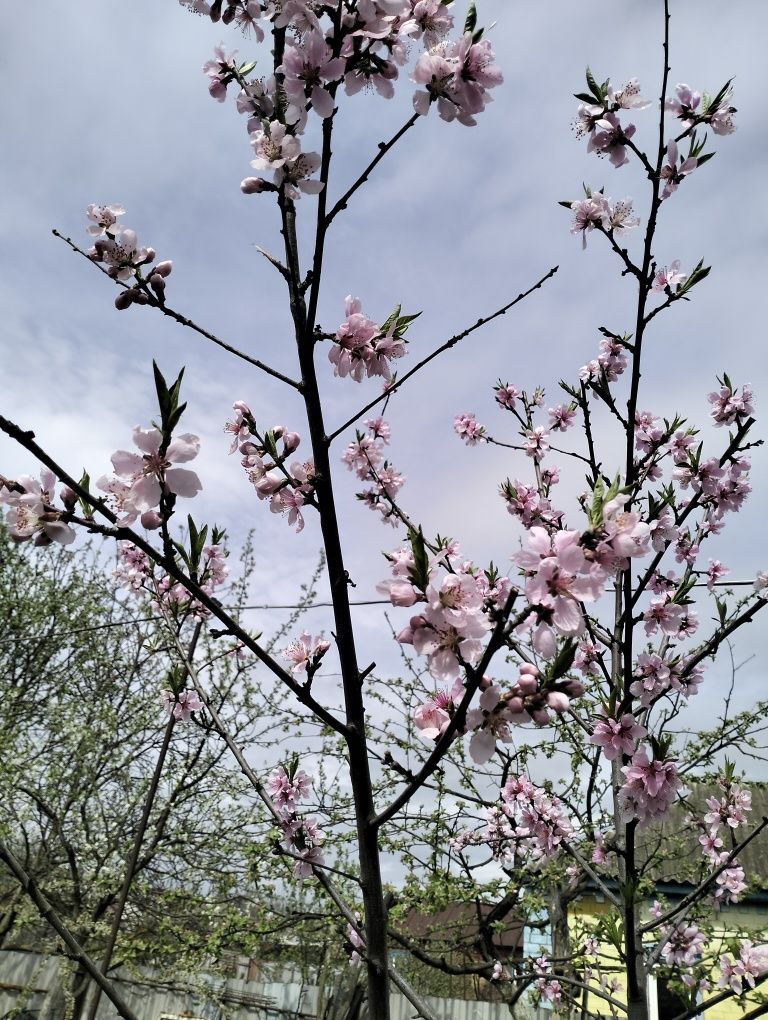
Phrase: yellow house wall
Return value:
(586, 912)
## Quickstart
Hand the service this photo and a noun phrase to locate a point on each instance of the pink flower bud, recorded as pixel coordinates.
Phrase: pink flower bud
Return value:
(157, 283)
(124, 299)
(291, 441)
(528, 669)
(242, 407)
(252, 185)
(405, 637)
(151, 520)
(140, 297)
(268, 485)
(67, 497)
(527, 685)
(558, 701)
(164, 268)
(540, 716)
(150, 255)
(515, 706)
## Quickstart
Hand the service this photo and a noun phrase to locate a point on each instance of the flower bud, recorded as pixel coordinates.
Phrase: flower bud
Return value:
(68, 497)
(558, 701)
(140, 297)
(149, 254)
(252, 185)
(157, 283)
(164, 268)
(527, 685)
(151, 520)
(242, 407)
(291, 441)
(124, 299)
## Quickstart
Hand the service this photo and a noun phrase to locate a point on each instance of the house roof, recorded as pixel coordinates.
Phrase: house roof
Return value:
(457, 925)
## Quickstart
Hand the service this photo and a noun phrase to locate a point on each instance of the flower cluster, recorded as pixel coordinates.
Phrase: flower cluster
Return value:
(751, 964)
(456, 76)
(729, 405)
(31, 514)
(617, 736)
(730, 810)
(287, 487)
(717, 112)
(467, 427)
(548, 989)
(684, 945)
(529, 699)
(649, 787)
(135, 571)
(302, 837)
(598, 120)
(363, 48)
(365, 458)
(118, 249)
(450, 629)
(596, 212)
(528, 825)
(362, 347)
(558, 578)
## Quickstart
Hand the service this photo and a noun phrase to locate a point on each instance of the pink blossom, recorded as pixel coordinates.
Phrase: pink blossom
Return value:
(669, 278)
(729, 406)
(649, 787)
(287, 792)
(31, 514)
(306, 652)
(675, 170)
(182, 705)
(273, 146)
(104, 219)
(140, 479)
(617, 736)
(608, 137)
(456, 76)
(684, 945)
(751, 964)
(536, 442)
(467, 428)
(219, 72)
(684, 104)
(427, 18)
(307, 66)
(561, 417)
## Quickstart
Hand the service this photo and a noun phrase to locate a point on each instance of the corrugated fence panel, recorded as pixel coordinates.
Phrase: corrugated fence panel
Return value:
(247, 999)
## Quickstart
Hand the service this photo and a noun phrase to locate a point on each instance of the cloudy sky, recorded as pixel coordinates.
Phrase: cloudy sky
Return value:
(105, 102)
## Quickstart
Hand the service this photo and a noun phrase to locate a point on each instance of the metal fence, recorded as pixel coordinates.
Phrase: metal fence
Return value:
(29, 984)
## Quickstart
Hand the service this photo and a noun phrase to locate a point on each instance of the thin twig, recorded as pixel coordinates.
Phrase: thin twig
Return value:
(439, 350)
(183, 320)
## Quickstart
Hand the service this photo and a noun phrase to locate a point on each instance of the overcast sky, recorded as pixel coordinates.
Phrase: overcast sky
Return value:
(105, 102)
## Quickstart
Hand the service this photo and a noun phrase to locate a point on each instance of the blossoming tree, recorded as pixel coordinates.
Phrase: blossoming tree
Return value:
(591, 634)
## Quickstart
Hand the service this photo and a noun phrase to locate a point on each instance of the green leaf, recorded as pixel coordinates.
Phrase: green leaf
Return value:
(418, 574)
(471, 23)
(594, 88)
